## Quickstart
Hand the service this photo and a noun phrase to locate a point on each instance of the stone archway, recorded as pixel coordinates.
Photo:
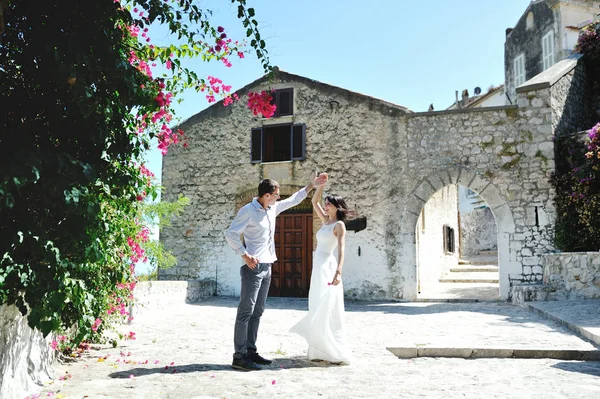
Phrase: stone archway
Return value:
(418, 197)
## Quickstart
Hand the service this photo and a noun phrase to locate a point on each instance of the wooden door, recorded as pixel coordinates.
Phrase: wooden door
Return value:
(293, 246)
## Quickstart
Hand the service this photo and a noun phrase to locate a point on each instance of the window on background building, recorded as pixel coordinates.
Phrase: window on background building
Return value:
(284, 100)
(278, 143)
(448, 239)
(548, 49)
(519, 70)
(529, 21)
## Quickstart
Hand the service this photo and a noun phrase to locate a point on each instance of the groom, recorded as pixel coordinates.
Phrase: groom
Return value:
(256, 222)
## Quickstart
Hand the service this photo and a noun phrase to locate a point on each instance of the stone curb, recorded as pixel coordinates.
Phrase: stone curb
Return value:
(481, 353)
(581, 331)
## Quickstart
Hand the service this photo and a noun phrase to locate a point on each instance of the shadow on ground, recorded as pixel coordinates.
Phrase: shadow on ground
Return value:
(512, 313)
(278, 364)
(591, 368)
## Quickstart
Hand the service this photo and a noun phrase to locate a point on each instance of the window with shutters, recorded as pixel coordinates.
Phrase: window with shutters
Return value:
(284, 101)
(278, 143)
(548, 49)
(448, 239)
(519, 70)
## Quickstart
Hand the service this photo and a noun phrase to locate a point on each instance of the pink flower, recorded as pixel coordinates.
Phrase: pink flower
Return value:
(54, 344)
(96, 324)
(220, 29)
(260, 103)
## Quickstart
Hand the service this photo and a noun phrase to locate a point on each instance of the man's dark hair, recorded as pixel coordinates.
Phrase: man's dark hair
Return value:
(267, 186)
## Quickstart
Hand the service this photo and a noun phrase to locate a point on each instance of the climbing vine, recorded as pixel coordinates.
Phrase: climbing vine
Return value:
(86, 91)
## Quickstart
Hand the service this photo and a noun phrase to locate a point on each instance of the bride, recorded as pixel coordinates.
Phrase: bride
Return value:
(324, 327)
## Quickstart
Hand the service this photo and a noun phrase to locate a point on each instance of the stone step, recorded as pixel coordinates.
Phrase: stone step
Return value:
(486, 262)
(475, 268)
(470, 277)
(459, 292)
(509, 353)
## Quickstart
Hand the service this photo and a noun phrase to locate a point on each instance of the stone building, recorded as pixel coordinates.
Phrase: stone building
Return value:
(387, 161)
(545, 34)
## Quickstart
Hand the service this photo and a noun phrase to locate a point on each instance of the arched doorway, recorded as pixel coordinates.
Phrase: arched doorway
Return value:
(457, 247)
(407, 248)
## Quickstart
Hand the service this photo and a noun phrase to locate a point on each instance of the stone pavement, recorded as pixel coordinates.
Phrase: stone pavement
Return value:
(184, 351)
(582, 317)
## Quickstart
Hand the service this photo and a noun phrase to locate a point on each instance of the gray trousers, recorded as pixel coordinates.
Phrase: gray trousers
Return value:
(255, 288)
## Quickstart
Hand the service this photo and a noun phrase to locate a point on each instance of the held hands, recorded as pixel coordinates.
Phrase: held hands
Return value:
(321, 179)
(251, 261)
(337, 278)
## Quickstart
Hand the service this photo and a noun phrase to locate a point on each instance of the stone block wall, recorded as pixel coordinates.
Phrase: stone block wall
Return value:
(162, 294)
(478, 232)
(574, 275)
(26, 357)
(506, 155)
(571, 100)
(566, 276)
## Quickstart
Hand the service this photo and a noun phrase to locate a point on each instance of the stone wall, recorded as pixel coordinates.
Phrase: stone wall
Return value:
(571, 99)
(25, 355)
(506, 155)
(569, 275)
(574, 275)
(151, 295)
(477, 232)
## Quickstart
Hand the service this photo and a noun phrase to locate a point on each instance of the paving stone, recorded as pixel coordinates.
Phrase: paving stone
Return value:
(198, 339)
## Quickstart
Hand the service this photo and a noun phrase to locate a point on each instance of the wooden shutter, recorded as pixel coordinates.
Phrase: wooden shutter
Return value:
(256, 145)
(298, 142)
(285, 102)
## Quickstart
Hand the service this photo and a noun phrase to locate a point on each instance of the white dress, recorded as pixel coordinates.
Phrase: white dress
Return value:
(324, 325)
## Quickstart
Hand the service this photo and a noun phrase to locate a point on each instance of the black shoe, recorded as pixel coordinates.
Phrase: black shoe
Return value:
(245, 364)
(258, 359)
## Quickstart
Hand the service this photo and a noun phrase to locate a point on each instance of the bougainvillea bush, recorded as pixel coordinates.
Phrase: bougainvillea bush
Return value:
(588, 44)
(577, 184)
(81, 102)
(577, 175)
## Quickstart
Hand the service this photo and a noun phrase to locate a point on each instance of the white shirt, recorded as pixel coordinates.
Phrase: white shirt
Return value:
(257, 224)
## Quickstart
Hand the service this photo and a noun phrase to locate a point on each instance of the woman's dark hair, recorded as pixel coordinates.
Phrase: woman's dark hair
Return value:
(267, 186)
(343, 213)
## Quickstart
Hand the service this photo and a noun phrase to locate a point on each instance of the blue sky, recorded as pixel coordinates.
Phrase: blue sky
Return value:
(411, 53)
